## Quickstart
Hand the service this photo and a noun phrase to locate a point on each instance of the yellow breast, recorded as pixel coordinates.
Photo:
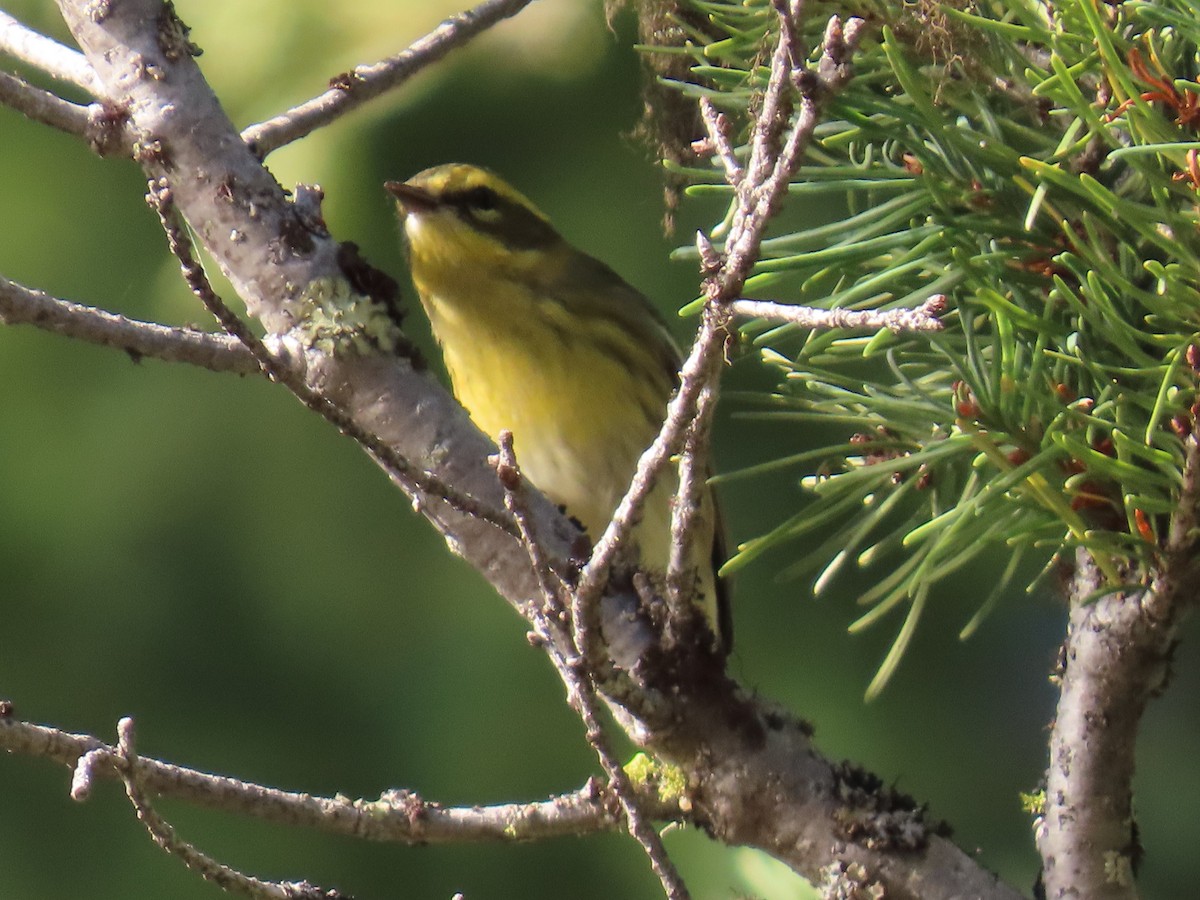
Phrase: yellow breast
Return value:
(580, 418)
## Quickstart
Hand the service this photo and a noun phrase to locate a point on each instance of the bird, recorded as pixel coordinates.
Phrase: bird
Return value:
(545, 341)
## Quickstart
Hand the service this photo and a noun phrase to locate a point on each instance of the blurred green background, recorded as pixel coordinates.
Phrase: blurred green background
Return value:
(199, 552)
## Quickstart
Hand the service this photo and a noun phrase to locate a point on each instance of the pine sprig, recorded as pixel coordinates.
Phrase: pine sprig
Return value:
(1038, 164)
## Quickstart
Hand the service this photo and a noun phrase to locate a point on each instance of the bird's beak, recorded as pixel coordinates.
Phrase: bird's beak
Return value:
(412, 199)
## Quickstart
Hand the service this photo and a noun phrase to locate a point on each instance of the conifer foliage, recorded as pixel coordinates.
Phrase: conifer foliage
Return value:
(1037, 163)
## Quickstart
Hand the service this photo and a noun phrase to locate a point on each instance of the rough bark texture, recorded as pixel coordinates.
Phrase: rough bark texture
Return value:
(1115, 659)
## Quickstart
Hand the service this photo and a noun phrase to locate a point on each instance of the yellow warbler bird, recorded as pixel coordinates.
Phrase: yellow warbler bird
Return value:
(550, 343)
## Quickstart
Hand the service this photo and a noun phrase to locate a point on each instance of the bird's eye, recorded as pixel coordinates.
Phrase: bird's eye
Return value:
(481, 199)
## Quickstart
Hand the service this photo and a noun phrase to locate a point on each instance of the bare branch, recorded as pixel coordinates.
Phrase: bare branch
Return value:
(1116, 658)
(720, 138)
(42, 105)
(396, 817)
(923, 318)
(553, 589)
(354, 88)
(284, 266)
(774, 112)
(164, 834)
(573, 669)
(759, 188)
(218, 352)
(46, 55)
(102, 128)
(763, 185)
(705, 354)
(693, 470)
(637, 819)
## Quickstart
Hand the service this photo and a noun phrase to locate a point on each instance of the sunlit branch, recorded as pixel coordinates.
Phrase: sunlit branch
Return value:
(218, 352)
(578, 678)
(354, 88)
(396, 816)
(46, 55)
(922, 318)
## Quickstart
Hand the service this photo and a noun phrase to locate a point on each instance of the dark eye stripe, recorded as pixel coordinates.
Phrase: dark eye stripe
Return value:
(481, 198)
(509, 222)
(474, 198)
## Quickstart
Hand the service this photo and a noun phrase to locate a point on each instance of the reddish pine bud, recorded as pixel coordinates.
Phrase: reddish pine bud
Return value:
(1143, 526)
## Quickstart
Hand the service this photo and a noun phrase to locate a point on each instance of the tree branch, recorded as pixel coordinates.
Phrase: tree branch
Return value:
(22, 306)
(396, 817)
(685, 512)
(923, 318)
(46, 55)
(354, 88)
(165, 836)
(578, 678)
(1116, 658)
(760, 187)
(42, 105)
(244, 218)
(103, 129)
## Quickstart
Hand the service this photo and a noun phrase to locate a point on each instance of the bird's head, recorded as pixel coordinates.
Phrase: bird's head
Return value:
(458, 212)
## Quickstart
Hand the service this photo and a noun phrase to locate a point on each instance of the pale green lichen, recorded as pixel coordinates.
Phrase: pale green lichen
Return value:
(1034, 803)
(336, 319)
(670, 782)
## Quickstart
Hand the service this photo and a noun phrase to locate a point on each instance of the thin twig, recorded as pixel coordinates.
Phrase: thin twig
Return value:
(164, 834)
(720, 138)
(46, 55)
(42, 105)
(704, 353)
(581, 694)
(103, 128)
(923, 318)
(408, 476)
(218, 352)
(685, 514)
(637, 820)
(759, 193)
(773, 114)
(577, 676)
(759, 187)
(354, 88)
(554, 590)
(396, 817)
(764, 183)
